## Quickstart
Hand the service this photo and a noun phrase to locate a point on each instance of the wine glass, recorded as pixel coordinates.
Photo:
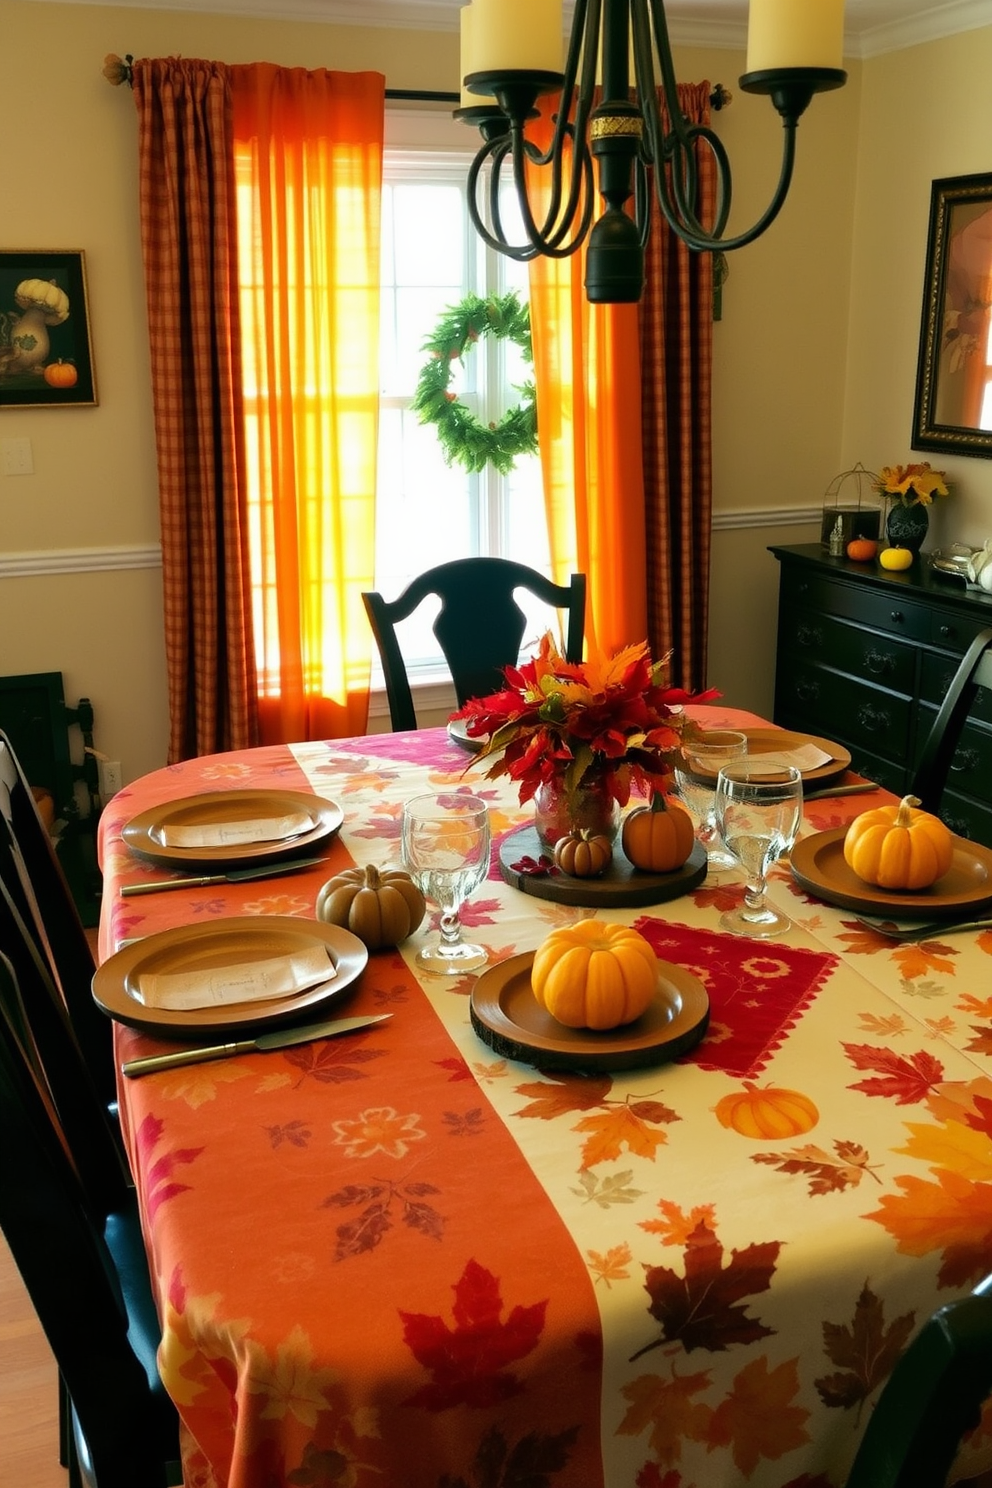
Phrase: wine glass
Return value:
(445, 848)
(758, 817)
(700, 758)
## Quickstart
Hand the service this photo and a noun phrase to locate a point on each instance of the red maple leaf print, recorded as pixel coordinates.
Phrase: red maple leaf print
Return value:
(702, 1309)
(469, 1363)
(905, 1080)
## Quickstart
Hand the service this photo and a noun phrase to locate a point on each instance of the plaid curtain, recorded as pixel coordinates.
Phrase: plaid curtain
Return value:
(676, 334)
(187, 204)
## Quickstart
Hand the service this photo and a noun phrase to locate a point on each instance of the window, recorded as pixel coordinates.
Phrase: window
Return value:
(426, 512)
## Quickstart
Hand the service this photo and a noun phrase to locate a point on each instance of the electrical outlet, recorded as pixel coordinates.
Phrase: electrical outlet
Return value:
(111, 779)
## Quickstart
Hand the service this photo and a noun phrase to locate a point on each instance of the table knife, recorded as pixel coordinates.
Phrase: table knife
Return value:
(234, 875)
(856, 789)
(281, 1038)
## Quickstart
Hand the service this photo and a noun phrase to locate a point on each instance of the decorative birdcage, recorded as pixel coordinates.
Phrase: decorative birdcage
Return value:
(852, 508)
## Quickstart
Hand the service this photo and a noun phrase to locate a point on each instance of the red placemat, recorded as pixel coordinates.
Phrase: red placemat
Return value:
(757, 990)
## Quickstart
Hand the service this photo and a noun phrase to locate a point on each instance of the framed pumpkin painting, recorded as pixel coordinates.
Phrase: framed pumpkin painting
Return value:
(46, 359)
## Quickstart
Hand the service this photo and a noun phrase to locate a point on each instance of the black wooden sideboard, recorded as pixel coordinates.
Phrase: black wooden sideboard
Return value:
(864, 658)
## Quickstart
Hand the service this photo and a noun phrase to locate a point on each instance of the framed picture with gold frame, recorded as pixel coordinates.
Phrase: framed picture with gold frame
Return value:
(46, 358)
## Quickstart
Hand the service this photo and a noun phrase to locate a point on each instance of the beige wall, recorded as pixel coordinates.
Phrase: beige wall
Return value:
(801, 391)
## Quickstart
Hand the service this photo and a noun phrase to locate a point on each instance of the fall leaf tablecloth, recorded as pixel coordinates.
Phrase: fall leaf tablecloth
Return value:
(397, 1260)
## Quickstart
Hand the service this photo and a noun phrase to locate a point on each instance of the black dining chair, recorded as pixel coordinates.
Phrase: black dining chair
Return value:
(84, 1266)
(33, 875)
(937, 758)
(932, 1398)
(480, 625)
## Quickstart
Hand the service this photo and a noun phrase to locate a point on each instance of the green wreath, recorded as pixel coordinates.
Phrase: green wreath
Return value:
(464, 437)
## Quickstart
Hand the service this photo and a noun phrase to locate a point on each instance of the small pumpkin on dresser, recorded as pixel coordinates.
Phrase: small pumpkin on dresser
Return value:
(382, 906)
(899, 847)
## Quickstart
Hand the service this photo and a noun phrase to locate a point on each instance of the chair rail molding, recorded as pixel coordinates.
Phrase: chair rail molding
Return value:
(43, 563)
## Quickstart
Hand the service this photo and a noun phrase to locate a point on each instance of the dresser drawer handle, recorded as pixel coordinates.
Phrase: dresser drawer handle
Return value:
(964, 761)
(809, 636)
(806, 690)
(948, 632)
(873, 720)
(878, 663)
(897, 617)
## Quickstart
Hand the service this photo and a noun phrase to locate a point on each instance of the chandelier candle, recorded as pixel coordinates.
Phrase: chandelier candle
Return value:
(512, 49)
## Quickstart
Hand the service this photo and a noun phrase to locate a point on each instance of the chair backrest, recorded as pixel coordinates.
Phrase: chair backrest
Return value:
(932, 1398)
(48, 1038)
(937, 757)
(32, 873)
(87, 1277)
(480, 625)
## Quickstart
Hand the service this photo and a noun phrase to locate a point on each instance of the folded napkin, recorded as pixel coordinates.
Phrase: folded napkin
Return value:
(756, 991)
(237, 833)
(248, 981)
(804, 757)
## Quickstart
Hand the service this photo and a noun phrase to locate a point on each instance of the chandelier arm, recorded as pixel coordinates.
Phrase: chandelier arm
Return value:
(695, 236)
(522, 253)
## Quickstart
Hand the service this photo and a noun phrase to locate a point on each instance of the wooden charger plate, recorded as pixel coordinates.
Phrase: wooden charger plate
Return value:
(818, 866)
(144, 833)
(622, 884)
(195, 948)
(773, 741)
(507, 1016)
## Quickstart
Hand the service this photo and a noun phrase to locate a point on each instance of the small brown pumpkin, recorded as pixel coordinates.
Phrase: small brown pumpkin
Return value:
(382, 906)
(595, 975)
(768, 1113)
(658, 838)
(899, 847)
(583, 854)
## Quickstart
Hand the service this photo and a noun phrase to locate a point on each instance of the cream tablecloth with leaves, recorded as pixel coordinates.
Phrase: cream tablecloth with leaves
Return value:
(397, 1260)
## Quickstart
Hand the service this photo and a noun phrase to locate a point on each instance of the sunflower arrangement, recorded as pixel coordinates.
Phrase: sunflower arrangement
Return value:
(912, 485)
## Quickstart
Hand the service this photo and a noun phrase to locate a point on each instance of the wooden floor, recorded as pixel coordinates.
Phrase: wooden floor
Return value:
(29, 1414)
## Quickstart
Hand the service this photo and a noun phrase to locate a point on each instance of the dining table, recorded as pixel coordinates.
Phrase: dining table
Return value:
(414, 1256)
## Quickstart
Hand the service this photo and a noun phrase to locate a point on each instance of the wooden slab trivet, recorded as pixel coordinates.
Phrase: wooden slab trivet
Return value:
(620, 885)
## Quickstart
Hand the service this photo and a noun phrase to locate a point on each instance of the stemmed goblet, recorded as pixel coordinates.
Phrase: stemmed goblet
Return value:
(700, 758)
(758, 817)
(445, 849)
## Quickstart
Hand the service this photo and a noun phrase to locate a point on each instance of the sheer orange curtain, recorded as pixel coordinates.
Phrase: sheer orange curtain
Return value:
(186, 200)
(587, 375)
(676, 326)
(309, 162)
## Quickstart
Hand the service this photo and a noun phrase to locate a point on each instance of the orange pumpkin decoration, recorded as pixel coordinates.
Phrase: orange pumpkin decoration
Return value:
(658, 838)
(61, 374)
(899, 847)
(583, 854)
(594, 975)
(862, 549)
(768, 1114)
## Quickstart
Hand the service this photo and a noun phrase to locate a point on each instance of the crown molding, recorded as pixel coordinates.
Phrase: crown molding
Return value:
(687, 27)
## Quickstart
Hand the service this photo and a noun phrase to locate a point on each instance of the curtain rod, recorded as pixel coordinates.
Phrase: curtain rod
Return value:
(119, 70)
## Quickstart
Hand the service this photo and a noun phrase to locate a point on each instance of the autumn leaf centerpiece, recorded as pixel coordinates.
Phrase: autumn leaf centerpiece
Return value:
(602, 726)
(912, 485)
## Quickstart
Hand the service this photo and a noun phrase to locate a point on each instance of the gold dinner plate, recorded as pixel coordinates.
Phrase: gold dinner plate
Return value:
(198, 948)
(508, 1017)
(818, 866)
(768, 740)
(145, 833)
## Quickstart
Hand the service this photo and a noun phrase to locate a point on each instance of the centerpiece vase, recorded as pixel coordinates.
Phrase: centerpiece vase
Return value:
(558, 812)
(907, 526)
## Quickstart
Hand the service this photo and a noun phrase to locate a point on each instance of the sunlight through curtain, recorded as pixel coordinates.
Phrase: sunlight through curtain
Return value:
(308, 148)
(587, 375)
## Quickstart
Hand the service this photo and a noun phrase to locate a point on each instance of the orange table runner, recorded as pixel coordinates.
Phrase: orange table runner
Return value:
(397, 1259)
